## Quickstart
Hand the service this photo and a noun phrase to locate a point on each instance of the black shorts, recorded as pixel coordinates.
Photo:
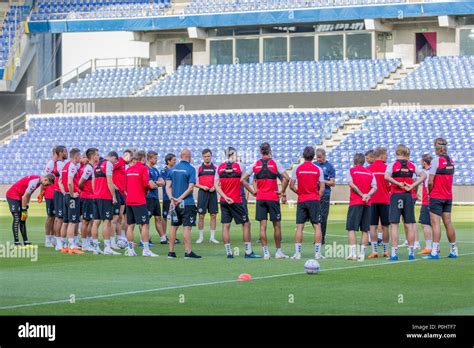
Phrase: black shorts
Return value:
(358, 218)
(186, 216)
(153, 207)
(236, 211)
(104, 209)
(166, 208)
(49, 207)
(308, 211)
(207, 202)
(120, 202)
(401, 204)
(379, 212)
(72, 210)
(440, 206)
(137, 215)
(14, 205)
(87, 208)
(58, 204)
(265, 207)
(425, 215)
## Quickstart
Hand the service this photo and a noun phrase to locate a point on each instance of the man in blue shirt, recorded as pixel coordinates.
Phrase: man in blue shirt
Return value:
(329, 181)
(170, 161)
(179, 188)
(152, 199)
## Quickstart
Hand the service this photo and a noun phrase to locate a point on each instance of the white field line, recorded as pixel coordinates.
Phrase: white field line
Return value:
(206, 284)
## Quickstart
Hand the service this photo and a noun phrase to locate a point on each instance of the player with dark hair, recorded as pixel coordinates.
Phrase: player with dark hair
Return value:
(268, 196)
(61, 157)
(152, 198)
(329, 181)
(400, 174)
(227, 184)
(18, 199)
(137, 185)
(207, 195)
(363, 185)
(440, 187)
(370, 157)
(307, 181)
(87, 198)
(170, 161)
(72, 206)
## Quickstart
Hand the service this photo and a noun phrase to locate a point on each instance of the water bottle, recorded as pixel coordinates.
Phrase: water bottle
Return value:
(174, 216)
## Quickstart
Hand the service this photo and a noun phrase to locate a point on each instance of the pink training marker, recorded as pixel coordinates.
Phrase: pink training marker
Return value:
(245, 276)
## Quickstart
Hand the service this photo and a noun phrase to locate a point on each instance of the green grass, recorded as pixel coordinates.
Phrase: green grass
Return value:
(208, 286)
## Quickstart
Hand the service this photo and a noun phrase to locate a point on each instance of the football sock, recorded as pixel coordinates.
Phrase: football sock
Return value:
(352, 250)
(131, 245)
(122, 234)
(411, 250)
(227, 249)
(107, 243)
(201, 234)
(63, 241)
(76, 240)
(15, 226)
(213, 234)
(23, 231)
(417, 245)
(146, 245)
(248, 248)
(385, 247)
(265, 250)
(394, 251)
(434, 249)
(374, 247)
(163, 238)
(317, 248)
(59, 242)
(428, 244)
(298, 248)
(95, 242)
(71, 243)
(362, 250)
(278, 250)
(454, 248)
(379, 235)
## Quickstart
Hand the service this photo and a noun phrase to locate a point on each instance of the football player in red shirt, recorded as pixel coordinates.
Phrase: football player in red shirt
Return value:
(137, 186)
(307, 181)
(266, 171)
(227, 184)
(363, 185)
(207, 196)
(400, 174)
(440, 188)
(18, 199)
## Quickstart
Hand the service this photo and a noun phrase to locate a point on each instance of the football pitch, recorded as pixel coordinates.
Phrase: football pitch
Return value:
(59, 284)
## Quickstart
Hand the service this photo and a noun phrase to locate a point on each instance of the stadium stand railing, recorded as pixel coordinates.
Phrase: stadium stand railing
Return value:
(12, 127)
(441, 73)
(81, 75)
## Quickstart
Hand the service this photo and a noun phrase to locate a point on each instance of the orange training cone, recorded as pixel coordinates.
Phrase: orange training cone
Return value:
(245, 276)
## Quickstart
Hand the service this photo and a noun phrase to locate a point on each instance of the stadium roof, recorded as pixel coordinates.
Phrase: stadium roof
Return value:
(345, 13)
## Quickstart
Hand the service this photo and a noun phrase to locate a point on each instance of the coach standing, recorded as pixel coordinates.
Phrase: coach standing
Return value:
(329, 181)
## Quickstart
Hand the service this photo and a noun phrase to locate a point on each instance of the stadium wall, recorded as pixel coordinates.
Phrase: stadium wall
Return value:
(119, 44)
(463, 195)
(383, 98)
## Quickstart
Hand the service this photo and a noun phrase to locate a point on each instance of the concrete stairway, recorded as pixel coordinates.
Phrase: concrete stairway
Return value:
(395, 77)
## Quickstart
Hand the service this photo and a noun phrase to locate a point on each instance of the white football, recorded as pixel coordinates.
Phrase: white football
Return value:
(311, 266)
(122, 243)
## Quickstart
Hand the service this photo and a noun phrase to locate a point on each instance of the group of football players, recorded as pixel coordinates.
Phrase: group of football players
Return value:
(83, 191)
